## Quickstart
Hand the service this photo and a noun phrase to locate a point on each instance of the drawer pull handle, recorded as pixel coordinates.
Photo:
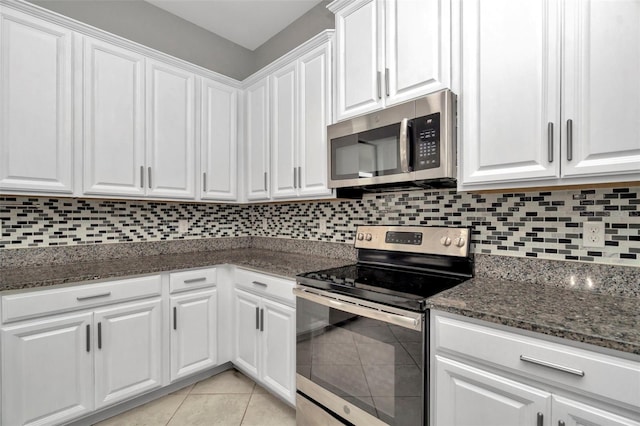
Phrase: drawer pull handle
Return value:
(259, 283)
(195, 280)
(95, 296)
(555, 366)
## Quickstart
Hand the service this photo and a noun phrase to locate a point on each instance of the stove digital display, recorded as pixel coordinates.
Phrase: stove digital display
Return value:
(411, 238)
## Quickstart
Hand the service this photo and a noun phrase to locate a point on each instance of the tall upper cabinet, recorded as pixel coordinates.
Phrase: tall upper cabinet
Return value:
(389, 51)
(549, 92)
(35, 104)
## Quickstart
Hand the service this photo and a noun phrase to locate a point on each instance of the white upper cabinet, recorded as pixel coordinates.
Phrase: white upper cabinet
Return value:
(113, 162)
(284, 113)
(218, 141)
(36, 149)
(257, 139)
(170, 131)
(549, 92)
(601, 89)
(389, 52)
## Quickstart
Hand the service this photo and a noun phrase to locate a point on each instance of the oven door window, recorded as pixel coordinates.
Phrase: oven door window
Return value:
(369, 363)
(366, 154)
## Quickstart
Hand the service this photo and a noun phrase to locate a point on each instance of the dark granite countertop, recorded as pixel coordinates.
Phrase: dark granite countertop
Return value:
(273, 262)
(599, 319)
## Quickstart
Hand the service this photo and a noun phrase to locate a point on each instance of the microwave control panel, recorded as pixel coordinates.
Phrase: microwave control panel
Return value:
(426, 147)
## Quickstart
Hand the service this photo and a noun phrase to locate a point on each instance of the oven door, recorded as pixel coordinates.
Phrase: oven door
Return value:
(361, 361)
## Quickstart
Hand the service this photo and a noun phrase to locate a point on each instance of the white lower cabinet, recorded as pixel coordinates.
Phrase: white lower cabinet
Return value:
(264, 346)
(485, 375)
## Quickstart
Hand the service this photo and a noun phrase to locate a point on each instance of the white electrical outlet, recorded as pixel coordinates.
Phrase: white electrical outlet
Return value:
(183, 226)
(593, 234)
(265, 224)
(322, 225)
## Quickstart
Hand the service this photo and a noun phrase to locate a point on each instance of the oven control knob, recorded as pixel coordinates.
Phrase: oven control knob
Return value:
(445, 241)
(368, 237)
(360, 236)
(460, 241)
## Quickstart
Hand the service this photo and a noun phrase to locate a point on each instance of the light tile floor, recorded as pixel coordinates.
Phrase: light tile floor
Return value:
(228, 399)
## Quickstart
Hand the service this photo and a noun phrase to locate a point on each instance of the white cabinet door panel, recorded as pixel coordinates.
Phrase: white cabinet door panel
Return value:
(574, 413)
(278, 345)
(510, 90)
(247, 326)
(218, 141)
(469, 396)
(128, 351)
(194, 333)
(170, 131)
(113, 120)
(314, 116)
(283, 132)
(601, 88)
(359, 87)
(35, 105)
(257, 140)
(47, 370)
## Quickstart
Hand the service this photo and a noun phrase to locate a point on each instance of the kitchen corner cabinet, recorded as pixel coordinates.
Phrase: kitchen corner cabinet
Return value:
(257, 140)
(389, 52)
(539, 104)
(36, 105)
(491, 376)
(218, 141)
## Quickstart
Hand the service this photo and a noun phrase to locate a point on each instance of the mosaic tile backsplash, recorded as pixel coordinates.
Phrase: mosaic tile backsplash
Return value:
(545, 225)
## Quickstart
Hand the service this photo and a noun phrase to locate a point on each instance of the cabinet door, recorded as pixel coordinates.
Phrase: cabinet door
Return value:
(417, 56)
(218, 141)
(36, 152)
(574, 413)
(113, 120)
(257, 136)
(314, 115)
(359, 47)
(128, 351)
(46, 370)
(278, 362)
(247, 326)
(170, 131)
(466, 395)
(283, 132)
(510, 94)
(601, 89)
(194, 333)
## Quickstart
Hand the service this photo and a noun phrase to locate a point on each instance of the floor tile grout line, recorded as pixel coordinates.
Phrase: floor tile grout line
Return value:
(176, 410)
(248, 402)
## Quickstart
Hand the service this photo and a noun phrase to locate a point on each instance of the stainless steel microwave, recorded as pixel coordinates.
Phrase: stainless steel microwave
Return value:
(411, 144)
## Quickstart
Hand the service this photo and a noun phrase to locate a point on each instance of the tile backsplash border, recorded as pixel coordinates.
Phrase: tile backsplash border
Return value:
(537, 224)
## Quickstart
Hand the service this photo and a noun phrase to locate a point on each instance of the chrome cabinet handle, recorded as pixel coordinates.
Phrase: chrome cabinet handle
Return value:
(379, 84)
(265, 181)
(550, 141)
(295, 177)
(386, 80)
(259, 283)
(141, 176)
(175, 318)
(99, 335)
(552, 365)
(560, 423)
(540, 419)
(569, 139)
(261, 319)
(88, 338)
(95, 296)
(404, 145)
(300, 177)
(195, 280)
(149, 176)
(204, 182)
(257, 318)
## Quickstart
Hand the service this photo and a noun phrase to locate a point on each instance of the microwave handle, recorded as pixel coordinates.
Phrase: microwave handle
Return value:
(404, 145)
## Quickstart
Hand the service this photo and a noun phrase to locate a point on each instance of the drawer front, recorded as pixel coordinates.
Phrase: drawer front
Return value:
(190, 280)
(267, 285)
(46, 302)
(602, 375)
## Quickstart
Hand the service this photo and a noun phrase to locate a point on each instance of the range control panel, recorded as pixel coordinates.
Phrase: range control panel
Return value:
(415, 239)
(426, 136)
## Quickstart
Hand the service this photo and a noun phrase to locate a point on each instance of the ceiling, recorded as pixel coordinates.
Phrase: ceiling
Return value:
(248, 23)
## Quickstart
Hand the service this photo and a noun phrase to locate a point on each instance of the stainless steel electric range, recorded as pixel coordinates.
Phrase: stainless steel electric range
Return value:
(362, 330)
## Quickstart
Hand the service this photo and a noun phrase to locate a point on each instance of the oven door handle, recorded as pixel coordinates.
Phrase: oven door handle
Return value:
(405, 145)
(409, 320)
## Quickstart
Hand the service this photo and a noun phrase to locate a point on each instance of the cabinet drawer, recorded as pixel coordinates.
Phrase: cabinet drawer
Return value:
(603, 375)
(45, 302)
(267, 285)
(190, 280)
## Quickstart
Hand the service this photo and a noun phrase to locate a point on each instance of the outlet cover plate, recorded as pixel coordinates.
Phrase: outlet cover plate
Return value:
(183, 226)
(322, 225)
(593, 234)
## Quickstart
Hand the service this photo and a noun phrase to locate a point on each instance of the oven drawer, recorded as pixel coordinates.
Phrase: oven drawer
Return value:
(310, 414)
(548, 362)
(267, 285)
